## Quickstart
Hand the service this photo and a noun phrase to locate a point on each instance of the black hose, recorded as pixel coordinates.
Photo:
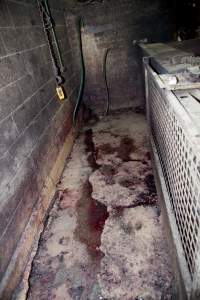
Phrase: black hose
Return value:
(105, 79)
(82, 81)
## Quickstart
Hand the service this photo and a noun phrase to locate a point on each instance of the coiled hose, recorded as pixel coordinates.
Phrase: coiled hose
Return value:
(82, 80)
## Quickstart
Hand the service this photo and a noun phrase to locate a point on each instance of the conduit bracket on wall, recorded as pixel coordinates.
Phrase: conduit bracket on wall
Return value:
(49, 29)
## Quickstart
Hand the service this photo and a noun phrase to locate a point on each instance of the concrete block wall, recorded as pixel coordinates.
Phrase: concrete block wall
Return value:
(115, 25)
(33, 123)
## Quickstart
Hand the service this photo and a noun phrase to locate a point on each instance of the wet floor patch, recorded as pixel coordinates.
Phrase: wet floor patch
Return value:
(91, 217)
(90, 149)
(123, 151)
(68, 257)
(126, 147)
(134, 266)
(126, 184)
(104, 236)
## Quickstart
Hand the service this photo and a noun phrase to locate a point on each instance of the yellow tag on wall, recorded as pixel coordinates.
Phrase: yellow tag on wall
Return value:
(60, 93)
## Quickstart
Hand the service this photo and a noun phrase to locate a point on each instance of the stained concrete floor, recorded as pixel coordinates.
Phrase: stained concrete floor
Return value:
(104, 236)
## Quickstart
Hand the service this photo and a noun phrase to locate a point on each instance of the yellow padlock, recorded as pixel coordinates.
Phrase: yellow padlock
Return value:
(60, 92)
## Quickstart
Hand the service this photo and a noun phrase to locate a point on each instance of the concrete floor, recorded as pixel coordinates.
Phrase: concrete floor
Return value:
(104, 237)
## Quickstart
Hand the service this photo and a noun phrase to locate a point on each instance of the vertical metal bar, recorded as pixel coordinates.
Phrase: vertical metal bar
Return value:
(145, 62)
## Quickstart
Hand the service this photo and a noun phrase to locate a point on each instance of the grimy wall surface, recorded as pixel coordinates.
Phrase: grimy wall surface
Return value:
(115, 25)
(33, 123)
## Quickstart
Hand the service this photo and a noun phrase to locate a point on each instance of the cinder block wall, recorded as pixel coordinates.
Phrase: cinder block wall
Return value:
(33, 123)
(115, 25)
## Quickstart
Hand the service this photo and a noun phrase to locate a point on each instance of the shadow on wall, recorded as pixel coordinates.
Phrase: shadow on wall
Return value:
(111, 25)
(34, 125)
(188, 19)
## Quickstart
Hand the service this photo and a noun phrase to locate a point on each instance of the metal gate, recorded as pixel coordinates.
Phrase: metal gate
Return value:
(176, 138)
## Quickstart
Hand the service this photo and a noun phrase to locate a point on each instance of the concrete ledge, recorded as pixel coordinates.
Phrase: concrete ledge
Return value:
(31, 235)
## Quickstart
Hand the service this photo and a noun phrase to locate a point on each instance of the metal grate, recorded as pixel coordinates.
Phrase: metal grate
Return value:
(175, 137)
